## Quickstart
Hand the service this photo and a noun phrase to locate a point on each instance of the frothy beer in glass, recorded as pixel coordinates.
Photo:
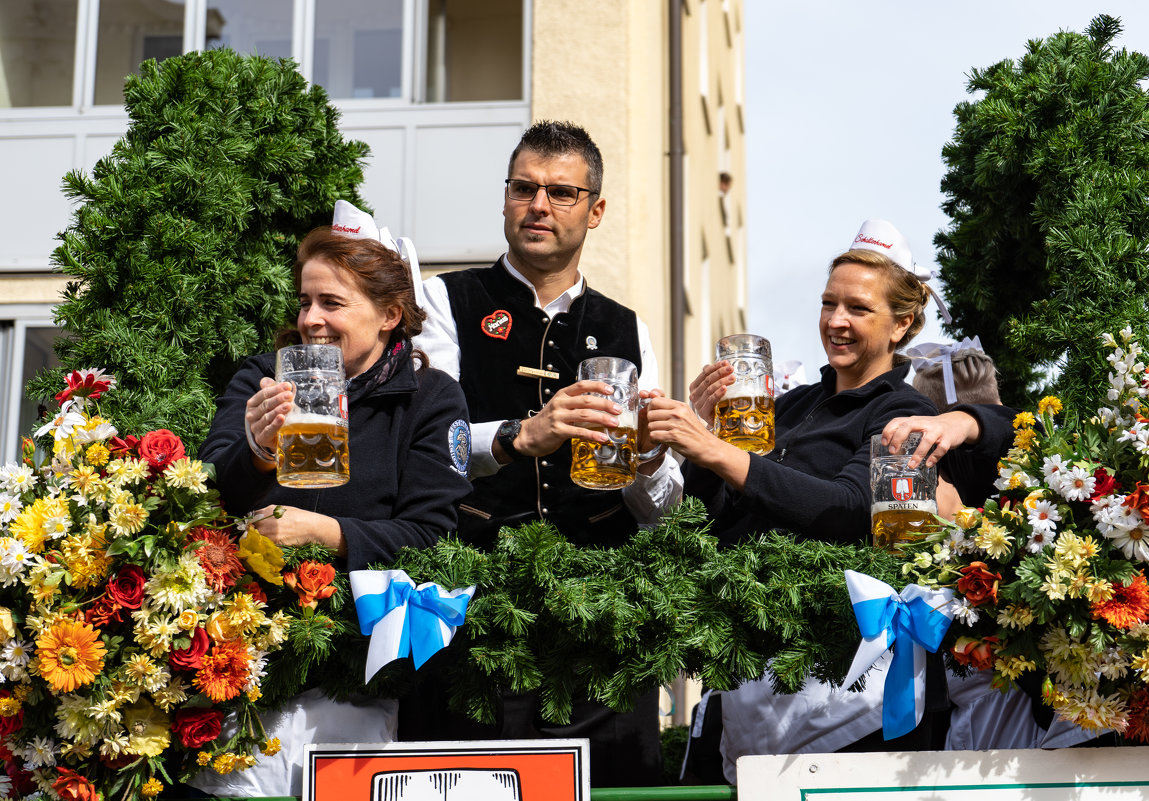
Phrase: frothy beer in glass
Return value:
(745, 414)
(904, 505)
(607, 465)
(312, 450)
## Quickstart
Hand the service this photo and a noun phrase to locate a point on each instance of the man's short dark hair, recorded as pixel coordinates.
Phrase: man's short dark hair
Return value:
(550, 138)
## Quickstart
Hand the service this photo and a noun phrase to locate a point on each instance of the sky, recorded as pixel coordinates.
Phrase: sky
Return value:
(848, 105)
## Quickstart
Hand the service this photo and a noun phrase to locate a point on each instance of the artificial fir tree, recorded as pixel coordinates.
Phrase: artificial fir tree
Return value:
(182, 244)
(1048, 192)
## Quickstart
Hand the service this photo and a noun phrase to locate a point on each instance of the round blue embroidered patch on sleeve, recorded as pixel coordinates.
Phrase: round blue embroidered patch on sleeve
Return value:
(459, 444)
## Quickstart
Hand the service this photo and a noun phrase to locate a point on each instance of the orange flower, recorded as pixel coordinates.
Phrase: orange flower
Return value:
(976, 653)
(71, 786)
(1128, 606)
(977, 584)
(71, 655)
(223, 672)
(311, 582)
(217, 555)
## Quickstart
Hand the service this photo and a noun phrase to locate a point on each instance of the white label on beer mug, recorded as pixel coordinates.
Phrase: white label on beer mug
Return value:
(904, 506)
(343, 405)
(296, 418)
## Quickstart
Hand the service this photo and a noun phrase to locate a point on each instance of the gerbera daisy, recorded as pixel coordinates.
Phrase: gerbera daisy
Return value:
(1128, 606)
(224, 671)
(71, 655)
(218, 557)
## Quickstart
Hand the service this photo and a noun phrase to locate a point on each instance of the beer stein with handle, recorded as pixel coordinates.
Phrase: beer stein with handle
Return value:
(744, 416)
(904, 500)
(312, 449)
(612, 464)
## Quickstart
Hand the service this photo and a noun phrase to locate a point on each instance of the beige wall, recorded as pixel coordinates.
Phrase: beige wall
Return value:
(608, 71)
(32, 289)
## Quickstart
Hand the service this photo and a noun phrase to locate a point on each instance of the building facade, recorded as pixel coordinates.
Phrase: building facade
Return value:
(440, 90)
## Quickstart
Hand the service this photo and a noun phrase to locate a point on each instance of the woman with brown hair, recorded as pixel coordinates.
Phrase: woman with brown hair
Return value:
(409, 439)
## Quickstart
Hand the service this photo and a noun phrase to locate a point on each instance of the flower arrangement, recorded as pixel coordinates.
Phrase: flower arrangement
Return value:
(132, 618)
(1049, 578)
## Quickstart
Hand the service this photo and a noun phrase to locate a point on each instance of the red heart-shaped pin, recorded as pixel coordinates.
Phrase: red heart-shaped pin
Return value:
(497, 324)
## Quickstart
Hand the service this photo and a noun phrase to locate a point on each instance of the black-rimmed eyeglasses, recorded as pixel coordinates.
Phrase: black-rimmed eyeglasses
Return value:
(559, 194)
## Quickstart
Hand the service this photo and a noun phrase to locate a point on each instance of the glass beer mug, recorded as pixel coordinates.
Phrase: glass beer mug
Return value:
(744, 416)
(612, 464)
(904, 499)
(312, 451)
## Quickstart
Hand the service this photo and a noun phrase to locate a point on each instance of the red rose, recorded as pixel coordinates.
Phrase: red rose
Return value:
(71, 786)
(191, 658)
(161, 448)
(311, 582)
(977, 584)
(1106, 484)
(195, 727)
(23, 782)
(124, 446)
(253, 589)
(127, 588)
(102, 612)
(976, 653)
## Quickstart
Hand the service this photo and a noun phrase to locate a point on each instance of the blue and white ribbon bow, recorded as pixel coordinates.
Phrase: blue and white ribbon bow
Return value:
(917, 620)
(403, 619)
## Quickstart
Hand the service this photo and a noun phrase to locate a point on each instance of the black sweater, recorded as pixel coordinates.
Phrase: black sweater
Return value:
(816, 481)
(404, 486)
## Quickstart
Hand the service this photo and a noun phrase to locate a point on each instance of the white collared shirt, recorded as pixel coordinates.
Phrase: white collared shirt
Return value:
(649, 496)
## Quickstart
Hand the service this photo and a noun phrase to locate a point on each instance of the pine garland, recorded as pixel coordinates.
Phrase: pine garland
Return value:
(609, 624)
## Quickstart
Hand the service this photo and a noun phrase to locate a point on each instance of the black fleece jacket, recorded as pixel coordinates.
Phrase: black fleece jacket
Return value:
(816, 481)
(404, 486)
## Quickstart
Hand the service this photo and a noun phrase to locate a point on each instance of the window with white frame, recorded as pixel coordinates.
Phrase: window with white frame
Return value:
(78, 52)
(26, 342)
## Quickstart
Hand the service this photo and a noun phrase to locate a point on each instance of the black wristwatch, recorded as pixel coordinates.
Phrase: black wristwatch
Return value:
(505, 436)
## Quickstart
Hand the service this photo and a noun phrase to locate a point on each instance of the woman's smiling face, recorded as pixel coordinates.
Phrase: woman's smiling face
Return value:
(859, 331)
(333, 310)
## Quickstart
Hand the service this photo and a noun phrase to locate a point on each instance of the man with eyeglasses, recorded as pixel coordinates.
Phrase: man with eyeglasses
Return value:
(514, 335)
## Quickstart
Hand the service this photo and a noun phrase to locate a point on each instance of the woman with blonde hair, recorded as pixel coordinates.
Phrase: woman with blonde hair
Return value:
(816, 481)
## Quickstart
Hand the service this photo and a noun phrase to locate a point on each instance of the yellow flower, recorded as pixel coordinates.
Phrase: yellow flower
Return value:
(148, 732)
(10, 706)
(1099, 591)
(262, 556)
(254, 694)
(1033, 497)
(1013, 666)
(224, 763)
(1024, 420)
(151, 788)
(202, 758)
(967, 518)
(71, 655)
(188, 619)
(7, 625)
(128, 518)
(1015, 617)
(1024, 439)
(271, 747)
(1140, 664)
(97, 454)
(1050, 404)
